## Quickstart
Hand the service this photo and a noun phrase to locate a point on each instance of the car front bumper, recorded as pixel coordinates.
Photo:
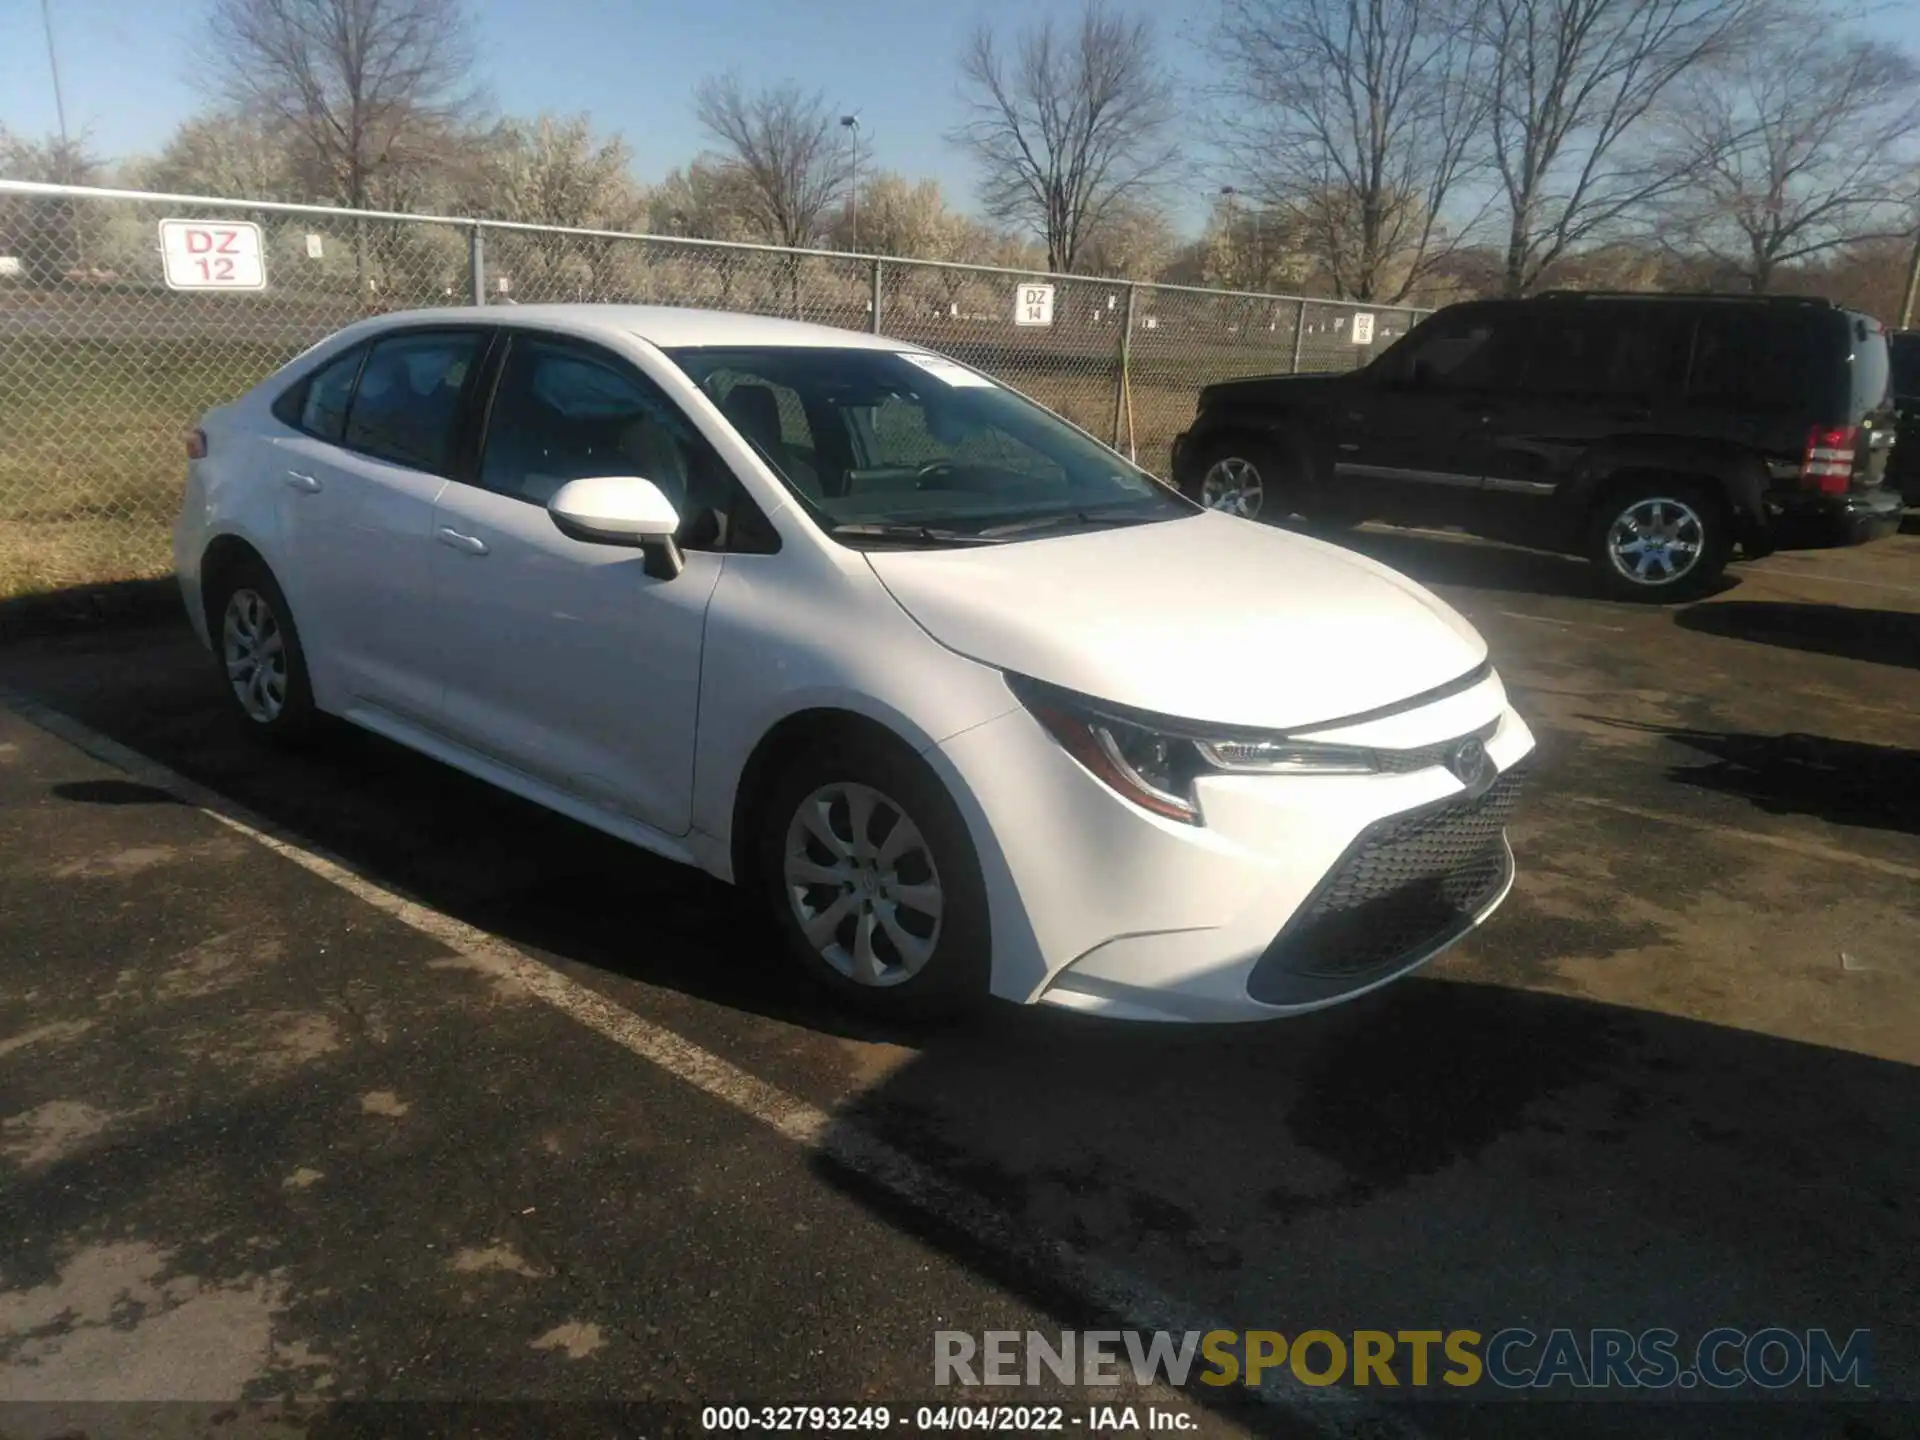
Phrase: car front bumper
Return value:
(1298, 892)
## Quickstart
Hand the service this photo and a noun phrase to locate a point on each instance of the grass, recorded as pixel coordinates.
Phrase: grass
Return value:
(92, 458)
(91, 451)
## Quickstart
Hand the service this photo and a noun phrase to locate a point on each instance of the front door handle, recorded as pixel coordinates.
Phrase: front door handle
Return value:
(466, 544)
(305, 484)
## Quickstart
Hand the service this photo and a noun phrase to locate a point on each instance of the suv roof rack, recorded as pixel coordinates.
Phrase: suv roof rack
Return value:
(1816, 301)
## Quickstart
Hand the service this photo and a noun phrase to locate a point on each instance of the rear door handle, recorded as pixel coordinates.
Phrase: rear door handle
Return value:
(466, 544)
(306, 484)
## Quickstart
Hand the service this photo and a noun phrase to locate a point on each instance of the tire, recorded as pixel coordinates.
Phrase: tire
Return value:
(1239, 477)
(911, 941)
(1682, 532)
(259, 654)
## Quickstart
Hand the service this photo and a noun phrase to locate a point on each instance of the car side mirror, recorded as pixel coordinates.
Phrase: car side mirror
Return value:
(621, 510)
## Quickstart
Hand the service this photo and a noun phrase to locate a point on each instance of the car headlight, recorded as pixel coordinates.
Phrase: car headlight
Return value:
(1154, 762)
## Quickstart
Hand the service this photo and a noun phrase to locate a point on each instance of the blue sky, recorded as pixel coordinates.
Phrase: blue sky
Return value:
(129, 70)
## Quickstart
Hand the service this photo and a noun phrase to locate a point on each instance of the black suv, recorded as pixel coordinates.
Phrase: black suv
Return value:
(1903, 474)
(1651, 433)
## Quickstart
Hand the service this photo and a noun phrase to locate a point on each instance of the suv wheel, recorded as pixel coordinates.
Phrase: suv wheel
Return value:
(874, 882)
(1658, 542)
(1236, 478)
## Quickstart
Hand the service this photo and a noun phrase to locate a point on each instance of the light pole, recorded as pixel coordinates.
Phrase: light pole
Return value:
(851, 123)
(53, 64)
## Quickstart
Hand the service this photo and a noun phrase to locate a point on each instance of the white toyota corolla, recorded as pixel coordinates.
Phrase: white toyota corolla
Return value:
(974, 704)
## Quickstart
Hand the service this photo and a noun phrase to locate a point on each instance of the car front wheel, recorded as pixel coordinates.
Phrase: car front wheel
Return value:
(874, 882)
(1659, 542)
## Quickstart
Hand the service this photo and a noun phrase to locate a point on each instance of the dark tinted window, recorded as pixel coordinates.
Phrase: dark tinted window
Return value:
(1471, 350)
(408, 398)
(1904, 350)
(318, 404)
(1606, 352)
(565, 411)
(1762, 362)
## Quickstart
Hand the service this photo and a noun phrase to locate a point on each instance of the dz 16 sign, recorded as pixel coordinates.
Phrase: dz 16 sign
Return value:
(213, 255)
(1033, 305)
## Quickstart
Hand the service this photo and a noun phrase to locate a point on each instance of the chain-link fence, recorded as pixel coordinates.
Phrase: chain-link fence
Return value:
(124, 316)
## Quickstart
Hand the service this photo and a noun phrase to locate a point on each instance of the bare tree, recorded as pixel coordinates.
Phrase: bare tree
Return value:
(1070, 128)
(784, 142)
(368, 86)
(1803, 144)
(1365, 118)
(1574, 89)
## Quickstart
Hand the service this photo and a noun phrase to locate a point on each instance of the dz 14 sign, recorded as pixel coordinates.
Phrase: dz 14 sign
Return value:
(213, 255)
(1033, 305)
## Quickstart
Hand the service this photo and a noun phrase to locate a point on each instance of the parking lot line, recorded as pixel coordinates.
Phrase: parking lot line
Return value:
(1809, 848)
(1132, 1303)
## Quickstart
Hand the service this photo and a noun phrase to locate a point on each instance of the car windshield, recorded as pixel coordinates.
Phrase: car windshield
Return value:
(907, 447)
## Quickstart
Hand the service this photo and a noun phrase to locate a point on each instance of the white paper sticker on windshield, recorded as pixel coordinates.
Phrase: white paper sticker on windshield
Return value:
(942, 368)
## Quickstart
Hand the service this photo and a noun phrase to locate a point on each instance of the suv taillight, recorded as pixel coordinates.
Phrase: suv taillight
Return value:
(1828, 463)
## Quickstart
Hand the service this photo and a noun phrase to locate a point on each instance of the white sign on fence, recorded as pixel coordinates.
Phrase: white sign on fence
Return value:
(213, 255)
(1363, 328)
(1033, 305)
(315, 247)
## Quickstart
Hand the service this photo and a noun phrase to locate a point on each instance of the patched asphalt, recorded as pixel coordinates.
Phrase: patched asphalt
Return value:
(259, 1132)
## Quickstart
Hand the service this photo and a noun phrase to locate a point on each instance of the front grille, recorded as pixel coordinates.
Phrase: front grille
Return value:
(1407, 886)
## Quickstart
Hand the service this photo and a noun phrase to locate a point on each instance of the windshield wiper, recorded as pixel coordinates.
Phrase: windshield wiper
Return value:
(924, 535)
(1127, 515)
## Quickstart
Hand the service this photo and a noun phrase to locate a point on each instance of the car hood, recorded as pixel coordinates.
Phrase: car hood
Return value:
(1205, 618)
(1274, 389)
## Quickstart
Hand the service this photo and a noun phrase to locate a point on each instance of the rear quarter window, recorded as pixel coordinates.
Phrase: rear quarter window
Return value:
(1750, 361)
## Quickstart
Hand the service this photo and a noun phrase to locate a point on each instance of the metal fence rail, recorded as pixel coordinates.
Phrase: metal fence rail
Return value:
(104, 365)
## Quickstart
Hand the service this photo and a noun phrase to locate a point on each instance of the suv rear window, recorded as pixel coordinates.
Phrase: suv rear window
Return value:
(1872, 368)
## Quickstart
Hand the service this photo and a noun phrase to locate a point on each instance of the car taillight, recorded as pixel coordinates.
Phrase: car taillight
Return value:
(1828, 463)
(196, 444)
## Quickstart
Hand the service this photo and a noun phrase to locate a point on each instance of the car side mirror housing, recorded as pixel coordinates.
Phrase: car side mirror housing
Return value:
(621, 510)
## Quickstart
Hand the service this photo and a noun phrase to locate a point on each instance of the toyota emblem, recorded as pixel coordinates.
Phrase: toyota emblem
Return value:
(1470, 765)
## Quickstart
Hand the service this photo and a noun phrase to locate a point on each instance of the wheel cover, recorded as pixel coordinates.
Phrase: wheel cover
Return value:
(255, 651)
(1233, 486)
(863, 884)
(1656, 541)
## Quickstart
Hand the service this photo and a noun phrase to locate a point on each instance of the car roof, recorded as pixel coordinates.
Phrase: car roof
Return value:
(667, 326)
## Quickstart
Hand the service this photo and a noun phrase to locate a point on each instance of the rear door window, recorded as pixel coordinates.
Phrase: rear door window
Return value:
(1598, 352)
(408, 400)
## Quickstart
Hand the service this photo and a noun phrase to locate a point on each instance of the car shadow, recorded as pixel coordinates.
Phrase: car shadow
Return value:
(1440, 1155)
(1885, 637)
(1844, 782)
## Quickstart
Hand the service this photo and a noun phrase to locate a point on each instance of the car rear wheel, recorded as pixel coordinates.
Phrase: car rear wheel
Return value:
(874, 882)
(1659, 542)
(260, 655)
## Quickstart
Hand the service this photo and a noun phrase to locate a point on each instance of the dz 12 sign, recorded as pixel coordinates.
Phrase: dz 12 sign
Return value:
(213, 255)
(1033, 305)
(1363, 328)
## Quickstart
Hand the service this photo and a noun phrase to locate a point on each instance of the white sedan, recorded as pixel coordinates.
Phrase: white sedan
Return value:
(972, 703)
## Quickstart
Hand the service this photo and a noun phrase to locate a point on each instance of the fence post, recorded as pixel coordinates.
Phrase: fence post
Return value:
(1126, 358)
(876, 294)
(1299, 336)
(477, 264)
